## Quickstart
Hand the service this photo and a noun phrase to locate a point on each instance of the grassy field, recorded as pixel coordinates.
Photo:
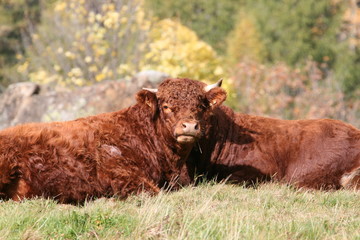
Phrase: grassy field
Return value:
(208, 211)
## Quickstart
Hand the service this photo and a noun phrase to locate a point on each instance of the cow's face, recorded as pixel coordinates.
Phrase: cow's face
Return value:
(184, 105)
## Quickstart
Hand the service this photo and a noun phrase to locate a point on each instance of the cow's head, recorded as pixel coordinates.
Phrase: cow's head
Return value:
(183, 106)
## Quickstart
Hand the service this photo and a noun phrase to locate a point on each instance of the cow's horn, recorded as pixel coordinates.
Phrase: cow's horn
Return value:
(209, 87)
(153, 90)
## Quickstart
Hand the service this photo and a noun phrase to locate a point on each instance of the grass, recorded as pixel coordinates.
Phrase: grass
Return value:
(208, 211)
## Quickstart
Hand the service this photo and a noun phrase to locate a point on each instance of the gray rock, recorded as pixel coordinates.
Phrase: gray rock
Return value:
(150, 77)
(29, 102)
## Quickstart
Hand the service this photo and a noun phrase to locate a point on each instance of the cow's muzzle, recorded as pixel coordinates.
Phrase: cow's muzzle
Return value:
(187, 131)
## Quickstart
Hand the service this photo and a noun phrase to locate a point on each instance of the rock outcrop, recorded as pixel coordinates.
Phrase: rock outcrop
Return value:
(29, 102)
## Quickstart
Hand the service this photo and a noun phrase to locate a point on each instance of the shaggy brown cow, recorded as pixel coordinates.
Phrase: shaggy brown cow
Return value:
(139, 148)
(318, 154)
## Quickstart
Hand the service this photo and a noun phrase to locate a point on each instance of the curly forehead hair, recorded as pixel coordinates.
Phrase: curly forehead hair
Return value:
(181, 89)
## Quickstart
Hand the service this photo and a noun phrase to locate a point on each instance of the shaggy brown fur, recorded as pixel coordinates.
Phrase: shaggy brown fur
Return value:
(318, 154)
(139, 148)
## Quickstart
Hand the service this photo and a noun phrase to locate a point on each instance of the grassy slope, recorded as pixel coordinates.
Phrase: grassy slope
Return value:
(209, 211)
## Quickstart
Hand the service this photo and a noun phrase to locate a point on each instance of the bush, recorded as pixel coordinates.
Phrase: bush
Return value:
(212, 20)
(294, 32)
(282, 92)
(83, 42)
(15, 18)
(176, 50)
(244, 43)
(347, 71)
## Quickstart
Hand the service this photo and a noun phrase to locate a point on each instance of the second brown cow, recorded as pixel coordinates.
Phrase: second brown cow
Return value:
(317, 154)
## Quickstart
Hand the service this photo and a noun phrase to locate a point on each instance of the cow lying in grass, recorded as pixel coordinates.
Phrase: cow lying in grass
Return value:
(317, 154)
(141, 148)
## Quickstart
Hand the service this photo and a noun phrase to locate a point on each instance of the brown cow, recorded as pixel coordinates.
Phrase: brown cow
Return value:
(318, 154)
(139, 148)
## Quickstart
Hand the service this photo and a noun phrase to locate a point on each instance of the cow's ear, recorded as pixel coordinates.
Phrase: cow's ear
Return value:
(216, 97)
(149, 99)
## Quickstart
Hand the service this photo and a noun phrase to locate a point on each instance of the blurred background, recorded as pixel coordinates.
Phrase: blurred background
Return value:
(290, 59)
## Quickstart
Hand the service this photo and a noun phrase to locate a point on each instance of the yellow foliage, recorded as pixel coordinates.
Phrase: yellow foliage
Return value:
(244, 41)
(99, 77)
(176, 50)
(120, 39)
(61, 6)
(22, 68)
(75, 72)
(44, 77)
(111, 20)
(76, 45)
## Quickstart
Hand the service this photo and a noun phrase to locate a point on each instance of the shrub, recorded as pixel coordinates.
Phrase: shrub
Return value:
(212, 20)
(83, 42)
(15, 17)
(244, 41)
(293, 31)
(176, 50)
(282, 92)
(296, 31)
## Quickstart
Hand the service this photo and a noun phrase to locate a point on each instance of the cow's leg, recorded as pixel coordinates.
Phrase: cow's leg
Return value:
(18, 190)
(118, 176)
(125, 181)
(351, 180)
(133, 186)
(12, 185)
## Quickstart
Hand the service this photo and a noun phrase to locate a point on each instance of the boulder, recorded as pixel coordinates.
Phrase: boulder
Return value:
(29, 102)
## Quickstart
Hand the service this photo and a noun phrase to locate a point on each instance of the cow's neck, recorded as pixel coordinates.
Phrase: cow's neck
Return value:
(231, 146)
(174, 154)
(224, 142)
(159, 154)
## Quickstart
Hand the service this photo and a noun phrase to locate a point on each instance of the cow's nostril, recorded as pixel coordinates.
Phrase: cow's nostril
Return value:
(190, 127)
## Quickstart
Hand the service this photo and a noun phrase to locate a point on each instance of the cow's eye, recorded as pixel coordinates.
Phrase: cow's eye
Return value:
(166, 108)
(203, 106)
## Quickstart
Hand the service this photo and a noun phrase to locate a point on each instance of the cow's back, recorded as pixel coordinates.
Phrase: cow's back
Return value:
(308, 153)
(326, 150)
(52, 159)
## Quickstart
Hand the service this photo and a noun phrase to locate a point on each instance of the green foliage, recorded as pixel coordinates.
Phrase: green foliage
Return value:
(176, 50)
(78, 45)
(15, 18)
(244, 43)
(208, 211)
(347, 70)
(293, 31)
(212, 20)
(296, 31)
(83, 42)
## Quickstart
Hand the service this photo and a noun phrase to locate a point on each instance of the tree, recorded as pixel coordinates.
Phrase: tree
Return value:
(295, 31)
(81, 42)
(244, 43)
(212, 20)
(16, 16)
